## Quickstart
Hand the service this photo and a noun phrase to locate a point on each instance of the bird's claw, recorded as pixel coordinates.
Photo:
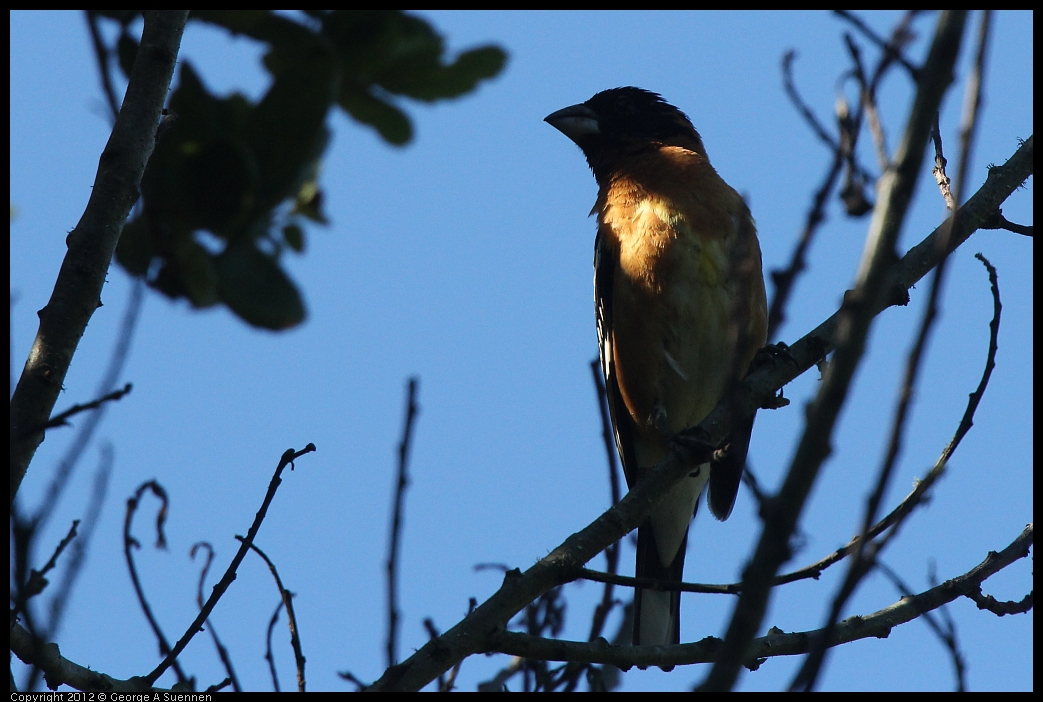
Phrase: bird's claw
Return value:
(692, 445)
(772, 353)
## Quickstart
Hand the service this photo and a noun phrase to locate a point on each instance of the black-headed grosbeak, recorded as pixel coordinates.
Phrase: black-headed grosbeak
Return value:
(681, 312)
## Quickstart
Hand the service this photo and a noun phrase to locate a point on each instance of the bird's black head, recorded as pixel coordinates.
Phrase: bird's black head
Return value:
(623, 117)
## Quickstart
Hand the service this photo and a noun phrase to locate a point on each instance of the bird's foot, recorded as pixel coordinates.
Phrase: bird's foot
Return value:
(773, 354)
(691, 445)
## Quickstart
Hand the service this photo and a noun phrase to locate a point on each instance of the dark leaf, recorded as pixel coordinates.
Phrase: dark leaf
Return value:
(287, 130)
(391, 122)
(253, 286)
(134, 251)
(188, 272)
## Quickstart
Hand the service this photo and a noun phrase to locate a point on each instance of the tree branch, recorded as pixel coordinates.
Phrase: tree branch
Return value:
(777, 643)
(396, 518)
(896, 189)
(287, 459)
(77, 290)
(564, 563)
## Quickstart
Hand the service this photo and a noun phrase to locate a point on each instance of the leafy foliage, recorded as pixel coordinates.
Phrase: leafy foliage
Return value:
(227, 165)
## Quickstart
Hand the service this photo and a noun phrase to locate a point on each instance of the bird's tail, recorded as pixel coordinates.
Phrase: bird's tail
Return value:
(657, 614)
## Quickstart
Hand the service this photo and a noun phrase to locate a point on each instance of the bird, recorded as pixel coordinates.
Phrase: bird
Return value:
(680, 310)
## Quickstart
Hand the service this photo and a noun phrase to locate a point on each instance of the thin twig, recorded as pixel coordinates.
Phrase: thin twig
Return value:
(103, 56)
(660, 585)
(222, 652)
(60, 420)
(23, 536)
(287, 459)
(401, 484)
(946, 634)
(867, 98)
(784, 280)
(972, 100)
(347, 675)
(37, 582)
(219, 686)
(450, 682)
(802, 107)
(1001, 222)
(79, 548)
(777, 643)
(864, 561)
(1001, 609)
(895, 194)
(130, 543)
(433, 633)
(287, 600)
(889, 48)
(268, 654)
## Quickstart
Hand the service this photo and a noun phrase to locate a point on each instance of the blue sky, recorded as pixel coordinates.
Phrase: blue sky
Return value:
(465, 258)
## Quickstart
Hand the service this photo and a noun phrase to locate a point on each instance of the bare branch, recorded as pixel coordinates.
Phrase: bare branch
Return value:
(972, 99)
(777, 643)
(60, 480)
(268, 655)
(890, 48)
(867, 100)
(77, 290)
(562, 564)
(802, 107)
(895, 193)
(946, 634)
(61, 671)
(37, 582)
(396, 518)
(130, 543)
(60, 420)
(101, 53)
(287, 600)
(1000, 609)
(226, 580)
(222, 652)
(604, 607)
(1001, 222)
(660, 585)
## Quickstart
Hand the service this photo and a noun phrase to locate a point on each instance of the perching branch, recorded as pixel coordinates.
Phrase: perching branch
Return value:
(777, 643)
(564, 562)
(895, 192)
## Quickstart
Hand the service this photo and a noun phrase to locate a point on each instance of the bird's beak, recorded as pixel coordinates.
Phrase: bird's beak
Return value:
(575, 122)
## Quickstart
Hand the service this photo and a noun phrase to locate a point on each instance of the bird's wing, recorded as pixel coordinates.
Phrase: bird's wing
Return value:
(726, 474)
(622, 424)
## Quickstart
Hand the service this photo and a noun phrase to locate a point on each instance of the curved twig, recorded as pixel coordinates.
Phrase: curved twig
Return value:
(226, 580)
